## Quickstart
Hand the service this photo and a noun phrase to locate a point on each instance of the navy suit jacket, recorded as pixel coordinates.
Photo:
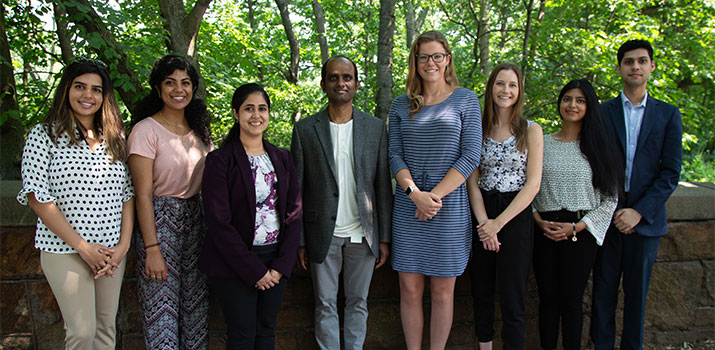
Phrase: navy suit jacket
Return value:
(657, 161)
(229, 196)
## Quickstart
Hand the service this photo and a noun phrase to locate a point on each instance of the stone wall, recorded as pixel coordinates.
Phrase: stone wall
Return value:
(680, 311)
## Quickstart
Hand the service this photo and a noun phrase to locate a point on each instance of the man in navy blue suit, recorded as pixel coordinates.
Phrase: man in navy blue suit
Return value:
(649, 132)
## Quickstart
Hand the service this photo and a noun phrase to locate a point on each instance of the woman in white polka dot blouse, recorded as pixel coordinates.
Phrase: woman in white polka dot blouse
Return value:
(75, 179)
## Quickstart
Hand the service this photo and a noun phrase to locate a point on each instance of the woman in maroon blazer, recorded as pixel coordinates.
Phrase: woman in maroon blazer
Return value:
(253, 212)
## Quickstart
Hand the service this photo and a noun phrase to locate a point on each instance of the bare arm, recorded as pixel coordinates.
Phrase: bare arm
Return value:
(53, 218)
(142, 169)
(476, 201)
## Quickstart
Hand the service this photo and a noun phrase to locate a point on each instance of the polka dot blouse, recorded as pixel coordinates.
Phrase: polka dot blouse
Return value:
(86, 187)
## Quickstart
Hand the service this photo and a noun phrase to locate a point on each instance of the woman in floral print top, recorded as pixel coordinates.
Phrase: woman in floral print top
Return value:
(253, 214)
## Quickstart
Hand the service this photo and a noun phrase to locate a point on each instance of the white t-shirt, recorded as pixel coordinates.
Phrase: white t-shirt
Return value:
(347, 223)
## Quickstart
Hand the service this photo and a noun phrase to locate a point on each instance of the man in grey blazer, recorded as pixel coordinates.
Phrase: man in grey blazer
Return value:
(340, 154)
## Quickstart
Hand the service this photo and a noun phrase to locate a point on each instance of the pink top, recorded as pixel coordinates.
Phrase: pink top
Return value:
(178, 166)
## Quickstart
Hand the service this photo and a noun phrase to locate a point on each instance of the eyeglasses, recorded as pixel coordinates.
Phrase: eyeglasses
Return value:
(437, 57)
(84, 60)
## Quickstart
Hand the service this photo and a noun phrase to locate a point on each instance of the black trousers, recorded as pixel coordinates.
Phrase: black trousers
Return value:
(510, 267)
(562, 269)
(250, 314)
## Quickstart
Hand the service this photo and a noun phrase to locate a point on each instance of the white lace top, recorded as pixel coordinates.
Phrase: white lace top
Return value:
(503, 167)
(566, 183)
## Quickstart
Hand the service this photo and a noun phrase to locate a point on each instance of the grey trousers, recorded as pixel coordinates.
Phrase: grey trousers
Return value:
(357, 264)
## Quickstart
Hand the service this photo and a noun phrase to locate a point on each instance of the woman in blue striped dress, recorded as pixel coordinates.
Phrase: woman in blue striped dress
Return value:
(434, 145)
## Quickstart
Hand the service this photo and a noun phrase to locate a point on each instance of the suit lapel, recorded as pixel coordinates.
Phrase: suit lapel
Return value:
(244, 168)
(359, 140)
(648, 120)
(618, 120)
(322, 129)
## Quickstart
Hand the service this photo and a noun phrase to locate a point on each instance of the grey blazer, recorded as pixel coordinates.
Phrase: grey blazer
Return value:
(312, 152)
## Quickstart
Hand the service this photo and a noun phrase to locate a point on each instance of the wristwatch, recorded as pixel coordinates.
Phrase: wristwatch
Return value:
(410, 189)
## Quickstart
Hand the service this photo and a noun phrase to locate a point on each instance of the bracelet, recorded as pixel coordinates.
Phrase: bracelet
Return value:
(151, 245)
(574, 239)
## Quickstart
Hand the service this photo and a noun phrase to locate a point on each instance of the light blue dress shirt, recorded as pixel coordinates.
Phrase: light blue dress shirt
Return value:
(633, 117)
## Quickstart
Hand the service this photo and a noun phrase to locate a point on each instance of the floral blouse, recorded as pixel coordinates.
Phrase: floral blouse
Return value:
(266, 182)
(503, 167)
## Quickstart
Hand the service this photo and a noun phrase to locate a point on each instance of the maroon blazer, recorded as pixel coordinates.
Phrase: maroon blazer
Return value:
(229, 197)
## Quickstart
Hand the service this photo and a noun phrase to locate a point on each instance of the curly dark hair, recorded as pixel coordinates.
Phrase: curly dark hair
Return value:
(196, 114)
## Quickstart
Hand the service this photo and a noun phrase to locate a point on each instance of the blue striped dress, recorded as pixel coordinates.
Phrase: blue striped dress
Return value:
(439, 137)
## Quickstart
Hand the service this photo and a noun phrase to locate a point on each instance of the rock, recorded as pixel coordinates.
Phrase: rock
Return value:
(672, 296)
(688, 241)
(18, 256)
(14, 309)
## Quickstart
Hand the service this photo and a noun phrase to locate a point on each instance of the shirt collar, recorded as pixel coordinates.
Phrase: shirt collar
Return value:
(627, 103)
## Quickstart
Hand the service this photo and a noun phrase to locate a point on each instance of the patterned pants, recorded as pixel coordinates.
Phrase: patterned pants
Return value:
(175, 311)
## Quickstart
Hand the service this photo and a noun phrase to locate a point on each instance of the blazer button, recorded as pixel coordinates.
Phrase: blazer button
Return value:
(332, 218)
(335, 194)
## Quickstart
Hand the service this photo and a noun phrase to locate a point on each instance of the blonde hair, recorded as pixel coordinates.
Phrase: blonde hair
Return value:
(414, 81)
(517, 124)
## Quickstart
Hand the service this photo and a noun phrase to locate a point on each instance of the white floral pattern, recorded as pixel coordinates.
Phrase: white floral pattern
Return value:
(264, 177)
(503, 167)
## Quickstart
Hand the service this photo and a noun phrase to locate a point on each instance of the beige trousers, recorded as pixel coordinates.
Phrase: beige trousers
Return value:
(88, 306)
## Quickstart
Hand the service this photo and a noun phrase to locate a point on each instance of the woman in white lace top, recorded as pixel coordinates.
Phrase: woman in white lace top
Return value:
(572, 211)
(500, 193)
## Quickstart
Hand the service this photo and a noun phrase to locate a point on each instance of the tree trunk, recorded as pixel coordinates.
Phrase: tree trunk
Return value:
(527, 30)
(62, 35)
(483, 35)
(385, 44)
(251, 15)
(112, 53)
(532, 46)
(183, 27)
(412, 23)
(320, 26)
(291, 74)
(11, 130)
(183, 31)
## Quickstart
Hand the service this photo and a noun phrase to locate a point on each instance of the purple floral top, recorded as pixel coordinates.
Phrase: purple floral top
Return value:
(264, 178)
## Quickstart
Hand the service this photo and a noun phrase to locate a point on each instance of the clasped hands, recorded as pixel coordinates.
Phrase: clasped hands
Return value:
(626, 220)
(487, 231)
(556, 231)
(269, 280)
(428, 204)
(101, 260)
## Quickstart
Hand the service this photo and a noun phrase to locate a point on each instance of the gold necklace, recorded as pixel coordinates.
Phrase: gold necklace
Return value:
(161, 114)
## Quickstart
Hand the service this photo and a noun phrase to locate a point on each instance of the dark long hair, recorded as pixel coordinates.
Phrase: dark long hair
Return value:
(597, 141)
(107, 120)
(517, 124)
(195, 113)
(240, 96)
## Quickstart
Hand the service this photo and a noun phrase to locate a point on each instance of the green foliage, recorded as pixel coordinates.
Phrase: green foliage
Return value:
(573, 39)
